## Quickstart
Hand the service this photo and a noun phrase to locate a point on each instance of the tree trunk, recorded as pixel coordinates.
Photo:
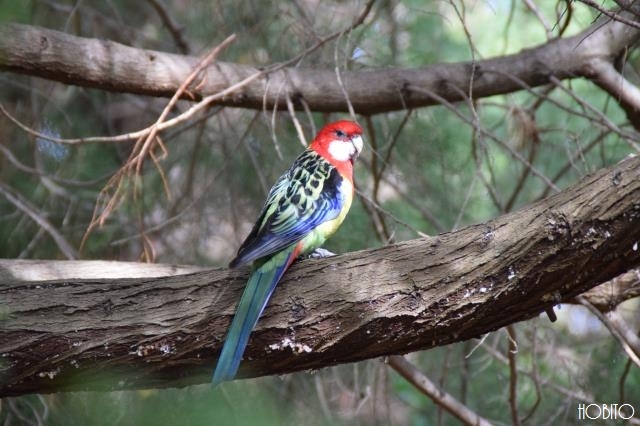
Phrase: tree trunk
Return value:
(124, 326)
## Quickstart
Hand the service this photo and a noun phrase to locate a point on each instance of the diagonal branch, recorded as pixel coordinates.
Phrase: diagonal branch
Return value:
(444, 399)
(615, 324)
(156, 328)
(622, 90)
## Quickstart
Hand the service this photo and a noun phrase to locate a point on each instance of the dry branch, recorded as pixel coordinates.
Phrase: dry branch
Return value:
(67, 329)
(426, 386)
(112, 66)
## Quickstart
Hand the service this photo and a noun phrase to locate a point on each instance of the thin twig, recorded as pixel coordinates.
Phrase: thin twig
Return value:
(487, 134)
(36, 216)
(296, 123)
(174, 28)
(144, 145)
(534, 9)
(382, 210)
(631, 348)
(534, 374)
(572, 159)
(140, 152)
(62, 181)
(513, 375)
(603, 118)
(375, 174)
(613, 15)
(439, 396)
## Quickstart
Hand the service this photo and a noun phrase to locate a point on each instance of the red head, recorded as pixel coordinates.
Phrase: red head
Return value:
(339, 143)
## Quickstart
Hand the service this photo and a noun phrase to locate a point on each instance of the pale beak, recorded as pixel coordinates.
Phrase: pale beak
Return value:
(358, 144)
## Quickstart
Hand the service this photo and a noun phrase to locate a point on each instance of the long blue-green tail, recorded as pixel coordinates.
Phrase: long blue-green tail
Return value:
(256, 294)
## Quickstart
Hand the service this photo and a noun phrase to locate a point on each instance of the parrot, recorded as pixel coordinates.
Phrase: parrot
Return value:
(304, 207)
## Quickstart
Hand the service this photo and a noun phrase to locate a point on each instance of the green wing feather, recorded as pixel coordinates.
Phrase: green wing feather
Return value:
(307, 195)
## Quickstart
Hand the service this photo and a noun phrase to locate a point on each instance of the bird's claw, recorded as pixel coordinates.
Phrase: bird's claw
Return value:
(319, 253)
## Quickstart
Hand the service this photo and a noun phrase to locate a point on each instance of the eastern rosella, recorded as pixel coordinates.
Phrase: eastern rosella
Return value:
(305, 206)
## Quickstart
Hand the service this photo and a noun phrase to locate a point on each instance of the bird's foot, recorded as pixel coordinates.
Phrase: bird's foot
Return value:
(319, 253)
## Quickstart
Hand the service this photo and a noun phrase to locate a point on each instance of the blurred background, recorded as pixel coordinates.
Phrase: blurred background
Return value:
(423, 171)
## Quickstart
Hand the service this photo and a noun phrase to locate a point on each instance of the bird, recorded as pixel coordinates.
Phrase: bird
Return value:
(304, 207)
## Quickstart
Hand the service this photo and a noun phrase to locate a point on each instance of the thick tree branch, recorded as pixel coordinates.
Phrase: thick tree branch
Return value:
(101, 331)
(112, 66)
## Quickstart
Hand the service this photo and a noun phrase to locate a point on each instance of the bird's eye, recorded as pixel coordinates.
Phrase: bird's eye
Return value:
(340, 134)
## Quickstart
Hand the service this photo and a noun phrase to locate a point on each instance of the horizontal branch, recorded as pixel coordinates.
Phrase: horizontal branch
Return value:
(83, 325)
(112, 66)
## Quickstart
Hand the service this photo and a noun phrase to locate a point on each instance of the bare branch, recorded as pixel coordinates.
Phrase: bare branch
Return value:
(174, 28)
(630, 343)
(512, 351)
(608, 295)
(628, 95)
(611, 14)
(414, 295)
(440, 397)
(112, 66)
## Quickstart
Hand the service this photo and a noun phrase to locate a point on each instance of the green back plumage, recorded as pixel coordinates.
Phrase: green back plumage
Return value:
(307, 195)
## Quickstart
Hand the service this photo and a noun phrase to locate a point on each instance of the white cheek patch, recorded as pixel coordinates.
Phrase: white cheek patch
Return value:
(341, 150)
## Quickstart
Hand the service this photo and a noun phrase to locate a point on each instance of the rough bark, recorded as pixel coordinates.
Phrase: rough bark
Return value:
(112, 66)
(66, 329)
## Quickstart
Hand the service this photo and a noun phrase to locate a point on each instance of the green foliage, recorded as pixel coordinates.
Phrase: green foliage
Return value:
(16, 11)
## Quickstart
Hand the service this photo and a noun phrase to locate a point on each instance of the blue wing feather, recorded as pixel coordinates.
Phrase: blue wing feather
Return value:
(259, 288)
